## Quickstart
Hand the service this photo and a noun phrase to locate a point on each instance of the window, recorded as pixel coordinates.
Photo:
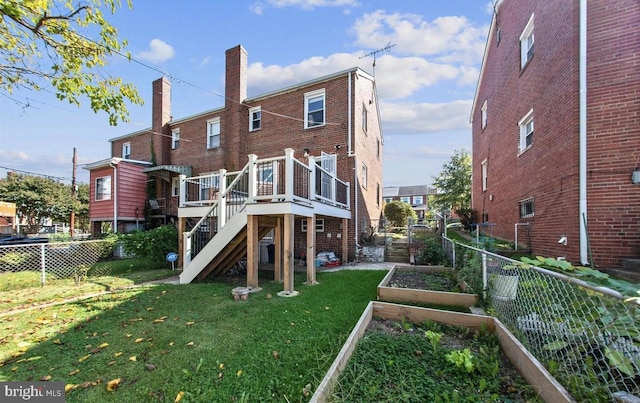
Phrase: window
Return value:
(406, 199)
(175, 186)
(484, 175)
(526, 131)
(314, 109)
(365, 175)
(175, 138)
(319, 225)
(364, 118)
(388, 199)
(526, 208)
(378, 194)
(378, 148)
(103, 188)
(213, 133)
(418, 200)
(483, 115)
(255, 118)
(526, 43)
(126, 151)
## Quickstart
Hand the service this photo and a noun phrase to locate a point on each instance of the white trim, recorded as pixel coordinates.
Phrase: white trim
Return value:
(210, 124)
(126, 150)
(175, 138)
(321, 93)
(103, 188)
(483, 115)
(319, 225)
(525, 46)
(523, 132)
(256, 109)
(485, 174)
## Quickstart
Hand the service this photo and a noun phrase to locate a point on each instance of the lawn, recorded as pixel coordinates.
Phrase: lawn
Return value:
(159, 342)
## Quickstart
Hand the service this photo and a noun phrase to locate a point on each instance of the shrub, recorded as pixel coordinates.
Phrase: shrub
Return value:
(433, 252)
(152, 245)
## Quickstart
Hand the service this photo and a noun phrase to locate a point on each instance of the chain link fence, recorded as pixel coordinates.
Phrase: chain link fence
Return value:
(55, 260)
(586, 336)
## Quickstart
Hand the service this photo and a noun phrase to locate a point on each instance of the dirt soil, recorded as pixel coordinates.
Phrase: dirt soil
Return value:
(423, 281)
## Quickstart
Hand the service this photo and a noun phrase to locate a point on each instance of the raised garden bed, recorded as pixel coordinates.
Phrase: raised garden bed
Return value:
(544, 385)
(409, 284)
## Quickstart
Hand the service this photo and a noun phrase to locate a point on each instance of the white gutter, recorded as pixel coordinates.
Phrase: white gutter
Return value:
(584, 240)
(349, 151)
(115, 198)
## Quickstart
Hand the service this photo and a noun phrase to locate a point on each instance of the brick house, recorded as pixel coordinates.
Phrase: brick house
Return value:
(569, 185)
(417, 196)
(310, 154)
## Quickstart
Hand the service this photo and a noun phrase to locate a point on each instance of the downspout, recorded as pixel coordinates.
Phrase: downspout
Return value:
(582, 219)
(355, 162)
(115, 198)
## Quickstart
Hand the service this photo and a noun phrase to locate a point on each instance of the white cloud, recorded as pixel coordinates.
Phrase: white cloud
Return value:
(445, 39)
(8, 156)
(159, 51)
(421, 118)
(200, 62)
(310, 4)
(257, 8)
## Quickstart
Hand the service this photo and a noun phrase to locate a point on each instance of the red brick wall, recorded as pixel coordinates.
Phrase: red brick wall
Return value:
(548, 171)
(613, 128)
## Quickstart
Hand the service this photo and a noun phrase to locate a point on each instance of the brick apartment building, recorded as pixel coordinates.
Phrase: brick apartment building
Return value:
(329, 125)
(572, 186)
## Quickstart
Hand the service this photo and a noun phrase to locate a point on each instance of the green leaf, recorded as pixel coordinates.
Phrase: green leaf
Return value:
(619, 361)
(556, 345)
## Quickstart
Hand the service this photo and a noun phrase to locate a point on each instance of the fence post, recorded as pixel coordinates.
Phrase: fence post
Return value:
(484, 275)
(453, 253)
(42, 264)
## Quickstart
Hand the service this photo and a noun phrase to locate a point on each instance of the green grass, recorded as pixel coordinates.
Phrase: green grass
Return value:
(162, 340)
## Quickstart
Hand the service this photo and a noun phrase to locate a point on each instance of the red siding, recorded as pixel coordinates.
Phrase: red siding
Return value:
(131, 191)
(100, 210)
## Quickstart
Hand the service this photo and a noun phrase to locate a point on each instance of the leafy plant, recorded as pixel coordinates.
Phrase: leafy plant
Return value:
(432, 252)
(434, 338)
(152, 245)
(462, 359)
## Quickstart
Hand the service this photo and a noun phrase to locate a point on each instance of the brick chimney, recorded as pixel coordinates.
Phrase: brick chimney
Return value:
(161, 116)
(236, 115)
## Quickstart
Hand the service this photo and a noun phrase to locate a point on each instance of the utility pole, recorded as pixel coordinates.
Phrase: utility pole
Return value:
(74, 190)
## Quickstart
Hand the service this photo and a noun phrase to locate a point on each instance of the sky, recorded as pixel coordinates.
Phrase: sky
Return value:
(426, 79)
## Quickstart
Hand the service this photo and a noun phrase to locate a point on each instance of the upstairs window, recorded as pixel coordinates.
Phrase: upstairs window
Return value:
(175, 138)
(378, 148)
(364, 117)
(526, 43)
(418, 200)
(405, 199)
(103, 188)
(213, 133)
(483, 115)
(314, 109)
(526, 132)
(485, 173)
(126, 151)
(526, 208)
(388, 199)
(365, 175)
(255, 118)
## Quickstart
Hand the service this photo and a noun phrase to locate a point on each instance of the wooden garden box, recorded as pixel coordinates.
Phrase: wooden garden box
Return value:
(536, 375)
(427, 297)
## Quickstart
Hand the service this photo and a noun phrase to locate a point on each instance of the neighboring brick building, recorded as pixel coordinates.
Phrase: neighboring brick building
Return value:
(333, 119)
(570, 180)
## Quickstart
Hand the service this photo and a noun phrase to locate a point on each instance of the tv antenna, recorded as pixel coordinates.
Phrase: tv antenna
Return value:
(375, 52)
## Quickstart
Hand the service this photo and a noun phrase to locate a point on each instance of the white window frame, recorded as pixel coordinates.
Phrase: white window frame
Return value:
(365, 175)
(255, 119)
(418, 200)
(485, 173)
(175, 138)
(175, 186)
(522, 204)
(126, 150)
(387, 199)
(308, 98)
(405, 199)
(365, 118)
(319, 225)
(526, 129)
(527, 41)
(212, 134)
(483, 115)
(104, 184)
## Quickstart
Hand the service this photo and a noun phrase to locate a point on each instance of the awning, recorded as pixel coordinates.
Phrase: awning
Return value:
(165, 171)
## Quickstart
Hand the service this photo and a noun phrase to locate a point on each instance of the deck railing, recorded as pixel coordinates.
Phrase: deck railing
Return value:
(276, 179)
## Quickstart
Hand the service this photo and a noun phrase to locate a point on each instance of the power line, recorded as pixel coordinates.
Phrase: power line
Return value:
(60, 178)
